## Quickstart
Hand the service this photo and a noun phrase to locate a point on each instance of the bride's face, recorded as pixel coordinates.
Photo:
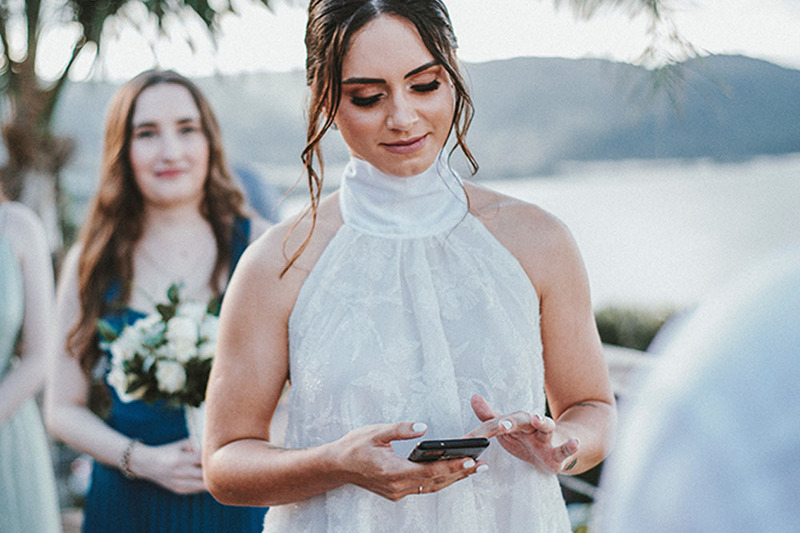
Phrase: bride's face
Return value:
(397, 103)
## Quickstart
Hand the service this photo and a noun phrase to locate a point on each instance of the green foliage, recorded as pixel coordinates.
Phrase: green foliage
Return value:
(214, 305)
(630, 327)
(106, 331)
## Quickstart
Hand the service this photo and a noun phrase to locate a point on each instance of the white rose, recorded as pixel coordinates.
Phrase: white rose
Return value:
(148, 330)
(193, 310)
(148, 323)
(209, 329)
(183, 351)
(180, 351)
(118, 379)
(124, 347)
(171, 376)
(182, 334)
(207, 350)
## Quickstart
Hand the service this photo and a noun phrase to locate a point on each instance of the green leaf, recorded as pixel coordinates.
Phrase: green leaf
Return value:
(167, 311)
(173, 294)
(214, 305)
(106, 331)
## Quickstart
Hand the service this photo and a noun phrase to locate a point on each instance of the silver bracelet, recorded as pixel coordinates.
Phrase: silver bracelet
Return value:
(125, 460)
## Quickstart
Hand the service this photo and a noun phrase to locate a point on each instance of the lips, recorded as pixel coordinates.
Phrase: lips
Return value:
(169, 173)
(406, 146)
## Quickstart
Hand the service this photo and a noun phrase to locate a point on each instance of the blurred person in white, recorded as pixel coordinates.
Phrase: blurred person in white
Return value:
(712, 440)
(28, 499)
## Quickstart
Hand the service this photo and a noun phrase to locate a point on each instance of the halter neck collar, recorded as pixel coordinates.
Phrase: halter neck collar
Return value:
(426, 204)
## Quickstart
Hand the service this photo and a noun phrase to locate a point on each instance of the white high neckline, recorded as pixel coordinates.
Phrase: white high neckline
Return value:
(414, 206)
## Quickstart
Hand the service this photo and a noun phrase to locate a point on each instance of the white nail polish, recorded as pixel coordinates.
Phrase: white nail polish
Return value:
(506, 424)
(419, 427)
(469, 463)
(483, 468)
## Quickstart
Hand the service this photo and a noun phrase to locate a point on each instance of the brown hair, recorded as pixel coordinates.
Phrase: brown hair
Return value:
(330, 28)
(115, 218)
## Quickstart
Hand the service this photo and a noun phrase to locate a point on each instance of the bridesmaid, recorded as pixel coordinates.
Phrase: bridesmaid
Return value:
(28, 500)
(166, 212)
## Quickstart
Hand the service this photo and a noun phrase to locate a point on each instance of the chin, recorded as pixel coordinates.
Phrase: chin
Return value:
(406, 169)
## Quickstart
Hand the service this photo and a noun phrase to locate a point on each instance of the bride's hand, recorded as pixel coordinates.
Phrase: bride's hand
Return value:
(525, 436)
(370, 462)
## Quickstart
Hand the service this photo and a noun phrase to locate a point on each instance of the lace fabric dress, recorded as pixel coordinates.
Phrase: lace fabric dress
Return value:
(413, 307)
(28, 500)
(117, 504)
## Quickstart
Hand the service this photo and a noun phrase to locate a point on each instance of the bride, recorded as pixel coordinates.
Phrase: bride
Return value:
(407, 303)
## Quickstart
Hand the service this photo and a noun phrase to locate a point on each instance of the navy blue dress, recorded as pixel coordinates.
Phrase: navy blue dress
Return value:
(119, 505)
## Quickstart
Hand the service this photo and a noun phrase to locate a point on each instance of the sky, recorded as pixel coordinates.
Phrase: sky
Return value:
(257, 40)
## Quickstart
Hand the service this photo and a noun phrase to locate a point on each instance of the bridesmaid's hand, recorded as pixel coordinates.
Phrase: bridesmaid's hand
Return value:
(174, 466)
(369, 461)
(527, 437)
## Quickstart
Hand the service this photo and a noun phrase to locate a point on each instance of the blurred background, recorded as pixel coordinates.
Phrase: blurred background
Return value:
(665, 134)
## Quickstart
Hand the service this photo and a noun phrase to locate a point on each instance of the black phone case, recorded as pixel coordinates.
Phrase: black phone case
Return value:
(436, 450)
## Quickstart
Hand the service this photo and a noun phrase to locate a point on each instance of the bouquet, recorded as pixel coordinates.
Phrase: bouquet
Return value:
(164, 356)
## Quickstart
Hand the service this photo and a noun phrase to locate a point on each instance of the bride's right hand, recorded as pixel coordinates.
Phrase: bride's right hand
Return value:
(371, 463)
(174, 466)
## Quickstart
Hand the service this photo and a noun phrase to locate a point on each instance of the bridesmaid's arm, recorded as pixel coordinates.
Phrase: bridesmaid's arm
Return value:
(29, 244)
(69, 418)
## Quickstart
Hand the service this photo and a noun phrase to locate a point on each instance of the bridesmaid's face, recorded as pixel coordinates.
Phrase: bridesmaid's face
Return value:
(397, 104)
(168, 149)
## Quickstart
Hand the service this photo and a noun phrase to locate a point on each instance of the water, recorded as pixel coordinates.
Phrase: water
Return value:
(655, 234)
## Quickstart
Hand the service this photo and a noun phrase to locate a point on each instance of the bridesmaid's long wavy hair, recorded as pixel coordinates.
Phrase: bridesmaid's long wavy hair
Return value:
(115, 219)
(330, 28)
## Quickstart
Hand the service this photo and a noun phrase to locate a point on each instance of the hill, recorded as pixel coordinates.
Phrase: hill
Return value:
(532, 114)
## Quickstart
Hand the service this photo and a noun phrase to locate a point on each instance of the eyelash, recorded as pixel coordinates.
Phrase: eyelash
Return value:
(365, 102)
(427, 87)
(185, 130)
(370, 100)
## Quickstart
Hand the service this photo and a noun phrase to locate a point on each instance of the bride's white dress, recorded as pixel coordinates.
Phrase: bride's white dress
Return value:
(413, 307)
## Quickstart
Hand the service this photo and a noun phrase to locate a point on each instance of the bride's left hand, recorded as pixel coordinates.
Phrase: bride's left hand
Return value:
(525, 436)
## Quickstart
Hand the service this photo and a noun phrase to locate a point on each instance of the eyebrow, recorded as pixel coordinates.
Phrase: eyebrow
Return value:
(153, 123)
(369, 81)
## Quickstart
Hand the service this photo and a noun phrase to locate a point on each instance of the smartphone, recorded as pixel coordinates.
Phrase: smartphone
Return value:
(435, 450)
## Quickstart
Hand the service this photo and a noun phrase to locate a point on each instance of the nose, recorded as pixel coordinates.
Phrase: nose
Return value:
(170, 146)
(402, 114)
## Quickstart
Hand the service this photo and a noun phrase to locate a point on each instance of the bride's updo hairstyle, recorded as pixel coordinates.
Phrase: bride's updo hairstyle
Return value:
(331, 26)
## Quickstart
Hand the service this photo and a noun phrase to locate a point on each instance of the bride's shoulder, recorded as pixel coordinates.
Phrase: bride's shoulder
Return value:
(503, 213)
(271, 252)
(535, 236)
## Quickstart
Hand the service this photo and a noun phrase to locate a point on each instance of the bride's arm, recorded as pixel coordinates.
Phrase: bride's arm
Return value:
(578, 388)
(241, 465)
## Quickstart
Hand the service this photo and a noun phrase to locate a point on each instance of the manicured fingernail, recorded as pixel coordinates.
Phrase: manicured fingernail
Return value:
(506, 424)
(419, 427)
(469, 463)
(482, 468)
(537, 417)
